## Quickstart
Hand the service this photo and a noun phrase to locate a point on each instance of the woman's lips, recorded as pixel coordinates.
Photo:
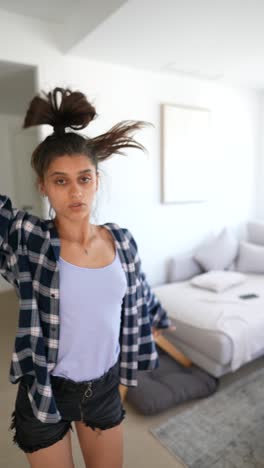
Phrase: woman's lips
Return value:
(76, 207)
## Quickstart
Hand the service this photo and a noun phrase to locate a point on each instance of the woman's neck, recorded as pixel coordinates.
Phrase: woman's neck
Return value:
(82, 233)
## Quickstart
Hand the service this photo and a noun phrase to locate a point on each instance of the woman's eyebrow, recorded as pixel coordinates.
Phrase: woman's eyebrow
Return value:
(65, 173)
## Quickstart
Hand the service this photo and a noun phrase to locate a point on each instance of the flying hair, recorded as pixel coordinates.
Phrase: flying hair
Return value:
(60, 108)
(67, 112)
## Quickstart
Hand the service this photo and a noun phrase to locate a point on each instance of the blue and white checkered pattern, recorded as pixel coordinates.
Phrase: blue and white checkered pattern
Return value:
(29, 256)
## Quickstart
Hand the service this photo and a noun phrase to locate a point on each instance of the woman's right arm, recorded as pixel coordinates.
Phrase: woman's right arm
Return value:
(10, 235)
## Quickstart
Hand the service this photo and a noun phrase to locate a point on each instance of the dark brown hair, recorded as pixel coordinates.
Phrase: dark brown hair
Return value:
(74, 112)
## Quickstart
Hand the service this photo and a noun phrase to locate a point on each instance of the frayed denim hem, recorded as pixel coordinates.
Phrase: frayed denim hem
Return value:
(36, 447)
(94, 427)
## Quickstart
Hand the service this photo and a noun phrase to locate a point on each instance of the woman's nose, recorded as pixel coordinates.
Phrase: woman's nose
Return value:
(75, 190)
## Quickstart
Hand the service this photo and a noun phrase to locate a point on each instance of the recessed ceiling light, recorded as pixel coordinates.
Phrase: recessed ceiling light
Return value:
(172, 67)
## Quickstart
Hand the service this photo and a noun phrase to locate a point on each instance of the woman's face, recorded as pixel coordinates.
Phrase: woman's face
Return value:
(69, 180)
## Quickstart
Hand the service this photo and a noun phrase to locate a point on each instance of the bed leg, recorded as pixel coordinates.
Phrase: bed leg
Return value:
(169, 348)
(123, 391)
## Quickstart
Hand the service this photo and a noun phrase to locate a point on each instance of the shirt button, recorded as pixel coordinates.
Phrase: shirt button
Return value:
(52, 295)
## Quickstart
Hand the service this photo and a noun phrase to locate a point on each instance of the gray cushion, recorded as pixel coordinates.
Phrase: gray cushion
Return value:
(183, 267)
(255, 230)
(250, 258)
(218, 253)
(169, 385)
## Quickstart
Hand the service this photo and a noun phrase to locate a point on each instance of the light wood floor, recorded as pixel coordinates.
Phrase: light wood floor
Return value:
(141, 449)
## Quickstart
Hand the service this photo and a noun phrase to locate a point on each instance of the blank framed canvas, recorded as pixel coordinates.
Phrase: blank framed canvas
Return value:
(185, 154)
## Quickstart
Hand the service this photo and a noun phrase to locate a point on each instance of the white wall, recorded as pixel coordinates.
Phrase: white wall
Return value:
(260, 165)
(131, 187)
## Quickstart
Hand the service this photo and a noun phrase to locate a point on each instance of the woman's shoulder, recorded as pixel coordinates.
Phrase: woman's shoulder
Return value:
(124, 236)
(124, 232)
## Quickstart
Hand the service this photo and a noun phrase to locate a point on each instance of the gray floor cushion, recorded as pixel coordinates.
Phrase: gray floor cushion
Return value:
(169, 385)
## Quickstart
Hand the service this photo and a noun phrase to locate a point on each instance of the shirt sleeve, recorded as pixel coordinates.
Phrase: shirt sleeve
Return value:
(10, 236)
(158, 315)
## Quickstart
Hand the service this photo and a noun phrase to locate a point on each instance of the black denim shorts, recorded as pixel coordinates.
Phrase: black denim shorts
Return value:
(95, 402)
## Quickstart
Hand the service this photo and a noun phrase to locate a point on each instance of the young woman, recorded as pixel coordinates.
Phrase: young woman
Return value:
(87, 314)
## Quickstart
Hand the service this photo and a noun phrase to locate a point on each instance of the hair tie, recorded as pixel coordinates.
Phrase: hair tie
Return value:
(59, 130)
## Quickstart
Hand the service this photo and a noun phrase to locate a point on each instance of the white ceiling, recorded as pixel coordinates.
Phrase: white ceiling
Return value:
(52, 11)
(73, 19)
(221, 40)
(215, 38)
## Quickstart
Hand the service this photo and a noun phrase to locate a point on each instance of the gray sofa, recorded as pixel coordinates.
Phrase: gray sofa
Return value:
(191, 308)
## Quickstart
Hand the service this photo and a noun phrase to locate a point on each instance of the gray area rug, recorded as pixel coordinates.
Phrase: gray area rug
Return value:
(225, 430)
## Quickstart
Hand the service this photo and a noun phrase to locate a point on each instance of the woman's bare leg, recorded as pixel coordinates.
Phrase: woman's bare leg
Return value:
(58, 455)
(101, 449)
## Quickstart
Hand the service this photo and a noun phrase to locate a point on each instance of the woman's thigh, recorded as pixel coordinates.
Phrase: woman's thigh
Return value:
(58, 455)
(41, 442)
(101, 448)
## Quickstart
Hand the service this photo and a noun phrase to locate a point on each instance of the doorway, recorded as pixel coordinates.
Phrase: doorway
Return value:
(18, 85)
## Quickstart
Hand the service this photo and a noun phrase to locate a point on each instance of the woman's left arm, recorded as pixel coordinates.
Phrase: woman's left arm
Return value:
(158, 316)
(159, 319)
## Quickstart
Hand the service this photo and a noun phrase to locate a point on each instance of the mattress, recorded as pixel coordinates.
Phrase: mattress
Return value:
(221, 326)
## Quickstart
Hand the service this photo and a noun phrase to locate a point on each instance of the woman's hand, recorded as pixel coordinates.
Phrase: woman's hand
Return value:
(158, 331)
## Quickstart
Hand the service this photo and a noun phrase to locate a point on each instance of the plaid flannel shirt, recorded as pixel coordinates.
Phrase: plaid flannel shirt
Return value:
(29, 255)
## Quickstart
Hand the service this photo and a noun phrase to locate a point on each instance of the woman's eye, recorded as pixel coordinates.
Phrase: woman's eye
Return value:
(87, 178)
(61, 180)
(84, 179)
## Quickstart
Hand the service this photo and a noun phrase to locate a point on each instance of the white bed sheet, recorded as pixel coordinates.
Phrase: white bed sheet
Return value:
(241, 320)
